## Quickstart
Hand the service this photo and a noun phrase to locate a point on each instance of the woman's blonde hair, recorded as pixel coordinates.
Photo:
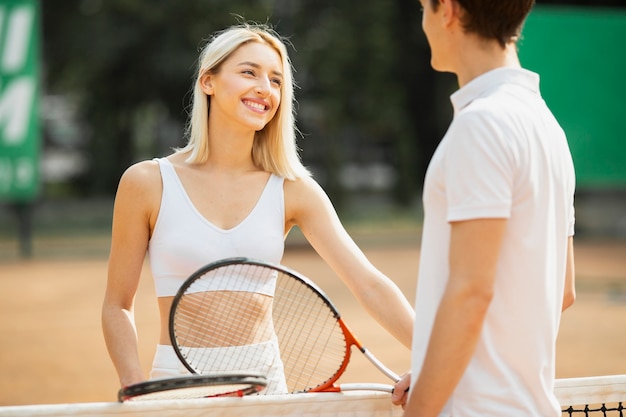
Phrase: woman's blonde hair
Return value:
(274, 149)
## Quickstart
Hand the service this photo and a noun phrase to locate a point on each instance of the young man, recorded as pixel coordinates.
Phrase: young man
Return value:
(497, 264)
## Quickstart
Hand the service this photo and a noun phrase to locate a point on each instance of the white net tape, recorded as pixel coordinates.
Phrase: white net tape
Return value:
(348, 404)
(591, 390)
(576, 392)
(592, 396)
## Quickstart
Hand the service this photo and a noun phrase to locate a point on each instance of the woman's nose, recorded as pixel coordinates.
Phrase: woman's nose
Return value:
(263, 87)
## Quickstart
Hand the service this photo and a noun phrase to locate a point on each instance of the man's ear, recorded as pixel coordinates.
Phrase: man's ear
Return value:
(450, 10)
(206, 83)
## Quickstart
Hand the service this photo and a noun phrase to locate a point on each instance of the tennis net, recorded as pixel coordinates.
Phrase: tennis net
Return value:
(587, 396)
(592, 396)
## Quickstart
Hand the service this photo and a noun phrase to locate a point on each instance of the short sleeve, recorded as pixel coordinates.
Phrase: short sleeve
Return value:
(479, 168)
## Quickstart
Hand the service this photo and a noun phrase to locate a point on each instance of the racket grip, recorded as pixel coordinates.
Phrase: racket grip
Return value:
(366, 387)
(381, 366)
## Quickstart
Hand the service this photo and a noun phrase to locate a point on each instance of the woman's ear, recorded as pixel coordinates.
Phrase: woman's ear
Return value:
(206, 83)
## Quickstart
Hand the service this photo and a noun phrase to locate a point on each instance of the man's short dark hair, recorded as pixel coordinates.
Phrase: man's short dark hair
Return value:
(501, 20)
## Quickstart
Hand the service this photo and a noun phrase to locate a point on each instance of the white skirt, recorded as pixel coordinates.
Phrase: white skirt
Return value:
(261, 358)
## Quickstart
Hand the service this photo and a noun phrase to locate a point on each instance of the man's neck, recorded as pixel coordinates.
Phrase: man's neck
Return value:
(479, 56)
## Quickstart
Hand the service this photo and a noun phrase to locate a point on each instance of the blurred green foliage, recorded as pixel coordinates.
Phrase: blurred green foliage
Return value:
(366, 90)
(367, 94)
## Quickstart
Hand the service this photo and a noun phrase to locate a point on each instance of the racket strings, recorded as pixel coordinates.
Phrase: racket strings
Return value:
(312, 345)
(213, 324)
(222, 323)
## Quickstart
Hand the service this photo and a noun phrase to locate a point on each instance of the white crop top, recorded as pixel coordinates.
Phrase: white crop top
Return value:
(183, 240)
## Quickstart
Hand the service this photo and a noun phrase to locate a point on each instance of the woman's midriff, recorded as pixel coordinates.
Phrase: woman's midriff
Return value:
(220, 318)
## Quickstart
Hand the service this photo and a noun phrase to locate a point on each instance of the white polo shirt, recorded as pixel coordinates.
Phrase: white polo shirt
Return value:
(504, 156)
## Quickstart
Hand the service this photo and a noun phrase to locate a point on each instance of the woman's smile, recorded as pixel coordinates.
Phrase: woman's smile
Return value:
(256, 105)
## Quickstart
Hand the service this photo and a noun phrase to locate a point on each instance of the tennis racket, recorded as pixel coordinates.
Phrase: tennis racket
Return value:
(242, 304)
(193, 386)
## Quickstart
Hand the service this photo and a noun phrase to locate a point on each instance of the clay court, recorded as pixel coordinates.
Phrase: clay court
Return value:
(52, 348)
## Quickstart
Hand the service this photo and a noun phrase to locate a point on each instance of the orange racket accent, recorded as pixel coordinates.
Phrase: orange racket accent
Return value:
(329, 386)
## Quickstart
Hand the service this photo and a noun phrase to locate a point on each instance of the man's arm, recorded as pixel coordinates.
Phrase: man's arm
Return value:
(474, 250)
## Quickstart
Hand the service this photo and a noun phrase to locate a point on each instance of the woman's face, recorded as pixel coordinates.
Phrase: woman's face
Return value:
(246, 90)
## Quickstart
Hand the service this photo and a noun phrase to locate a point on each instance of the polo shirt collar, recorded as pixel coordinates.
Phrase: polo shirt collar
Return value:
(486, 82)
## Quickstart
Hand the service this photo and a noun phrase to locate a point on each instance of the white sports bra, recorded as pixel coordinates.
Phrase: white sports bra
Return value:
(183, 240)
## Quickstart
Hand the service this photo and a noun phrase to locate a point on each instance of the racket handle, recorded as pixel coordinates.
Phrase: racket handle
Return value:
(366, 387)
(381, 366)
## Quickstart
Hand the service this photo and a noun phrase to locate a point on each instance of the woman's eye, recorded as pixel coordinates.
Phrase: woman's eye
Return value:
(277, 82)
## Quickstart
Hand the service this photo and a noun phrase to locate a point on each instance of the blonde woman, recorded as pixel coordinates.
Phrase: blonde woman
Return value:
(235, 189)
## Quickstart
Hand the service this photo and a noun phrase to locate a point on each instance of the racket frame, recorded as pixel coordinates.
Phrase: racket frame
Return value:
(324, 386)
(252, 383)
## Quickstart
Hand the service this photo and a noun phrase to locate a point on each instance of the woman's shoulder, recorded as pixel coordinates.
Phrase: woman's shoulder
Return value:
(141, 171)
(304, 192)
(141, 175)
(301, 185)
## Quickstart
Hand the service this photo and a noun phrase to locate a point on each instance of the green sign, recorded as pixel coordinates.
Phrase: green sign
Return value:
(580, 56)
(19, 100)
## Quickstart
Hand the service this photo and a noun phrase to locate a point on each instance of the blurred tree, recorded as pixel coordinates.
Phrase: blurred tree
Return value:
(125, 60)
(368, 94)
(130, 64)
(350, 103)
(366, 85)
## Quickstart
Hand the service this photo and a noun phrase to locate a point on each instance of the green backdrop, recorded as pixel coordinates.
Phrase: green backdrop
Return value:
(580, 54)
